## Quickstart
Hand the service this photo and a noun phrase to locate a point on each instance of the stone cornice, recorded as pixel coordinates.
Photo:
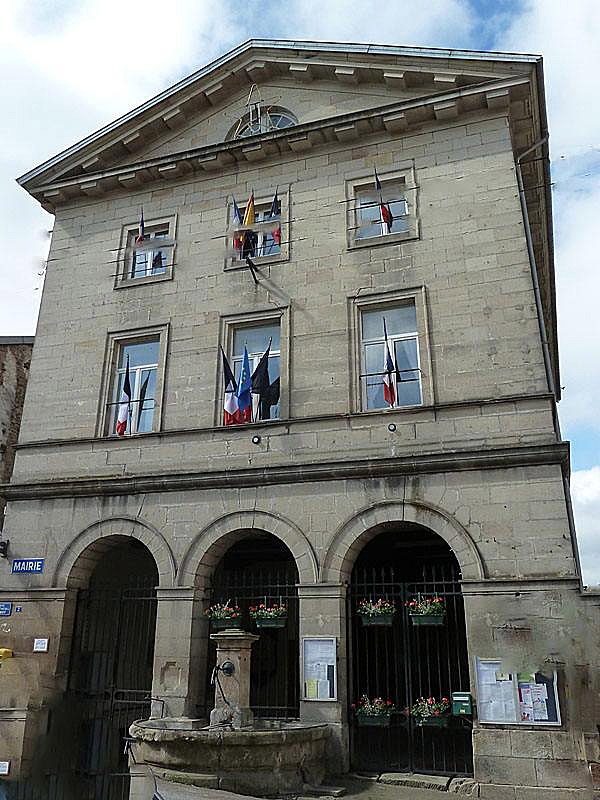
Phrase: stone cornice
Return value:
(453, 460)
(397, 117)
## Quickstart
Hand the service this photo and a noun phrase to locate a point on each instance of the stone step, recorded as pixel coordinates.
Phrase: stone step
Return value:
(415, 780)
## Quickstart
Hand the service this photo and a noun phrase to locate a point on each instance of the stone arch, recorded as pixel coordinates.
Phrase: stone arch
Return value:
(77, 561)
(207, 548)
(363, 526)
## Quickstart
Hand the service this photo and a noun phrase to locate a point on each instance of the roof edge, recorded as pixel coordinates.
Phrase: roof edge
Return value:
(283, 44)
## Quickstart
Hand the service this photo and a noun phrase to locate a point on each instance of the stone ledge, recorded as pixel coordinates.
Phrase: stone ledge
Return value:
(453, 460)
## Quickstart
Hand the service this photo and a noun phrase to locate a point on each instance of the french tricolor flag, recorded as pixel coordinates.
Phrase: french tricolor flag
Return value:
(124, 404)
(389, 375)
(386, 212)
(231, 409)
(244, 390)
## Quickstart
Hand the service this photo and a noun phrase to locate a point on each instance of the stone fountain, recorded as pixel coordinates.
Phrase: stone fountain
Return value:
(234, 752)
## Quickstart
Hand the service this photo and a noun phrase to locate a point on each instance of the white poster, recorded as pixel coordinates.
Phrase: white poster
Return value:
(319, 669)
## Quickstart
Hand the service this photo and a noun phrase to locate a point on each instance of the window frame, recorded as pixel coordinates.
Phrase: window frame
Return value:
(126, 250)
(365, 182)
(262, 204)
(380, 302)
(115, 340)
(228, 326)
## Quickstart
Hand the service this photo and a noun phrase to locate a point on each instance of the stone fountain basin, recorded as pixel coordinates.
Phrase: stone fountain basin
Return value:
(270, 758)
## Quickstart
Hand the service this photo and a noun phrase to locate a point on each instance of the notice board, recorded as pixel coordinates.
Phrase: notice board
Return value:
(529, 697)
(319, 668)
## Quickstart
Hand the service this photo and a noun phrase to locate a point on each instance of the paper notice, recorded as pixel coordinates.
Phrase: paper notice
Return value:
(526, 703)
(539, 695)
(311, 688)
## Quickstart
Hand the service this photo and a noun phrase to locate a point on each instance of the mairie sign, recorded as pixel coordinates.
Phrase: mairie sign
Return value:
(28, 565)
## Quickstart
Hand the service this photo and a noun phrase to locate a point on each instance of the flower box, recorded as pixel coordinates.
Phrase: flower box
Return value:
(427, 619)
(270, 622)
(434, 722)
(226, 623)
(377, 619)
(373, 720)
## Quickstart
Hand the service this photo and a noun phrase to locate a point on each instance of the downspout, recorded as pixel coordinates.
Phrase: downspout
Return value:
(534, 274)
(545, 346)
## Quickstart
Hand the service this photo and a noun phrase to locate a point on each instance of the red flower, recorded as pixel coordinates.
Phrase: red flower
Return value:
(436, 713)
(430, 701)
(389, 703)
(445, 700)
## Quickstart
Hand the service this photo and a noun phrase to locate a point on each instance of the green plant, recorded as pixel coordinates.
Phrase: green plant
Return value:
(262, 611)
(423, 606)
(430, 707)
(223, 611)
(376, 608)
(373, 708)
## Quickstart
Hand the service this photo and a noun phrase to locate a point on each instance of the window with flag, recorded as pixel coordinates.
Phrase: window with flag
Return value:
(255, 230)
(381, 212)
(255, 366)
(390, 365)
(133, 400)
(150, 256)
(382, 208)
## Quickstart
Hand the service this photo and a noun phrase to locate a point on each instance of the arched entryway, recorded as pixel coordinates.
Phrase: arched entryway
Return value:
(259, 568)
(404, 661)
(110, 663)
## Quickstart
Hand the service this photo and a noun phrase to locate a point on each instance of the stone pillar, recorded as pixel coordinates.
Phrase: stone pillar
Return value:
(323, 613)
(233, 704)
(175, 679)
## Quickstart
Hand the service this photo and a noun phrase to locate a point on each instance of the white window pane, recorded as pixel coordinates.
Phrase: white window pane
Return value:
(140, 353)
(146, 410)
(256, 339)
(409, 383)
(373, 377)
(139, 263)
(399, 321)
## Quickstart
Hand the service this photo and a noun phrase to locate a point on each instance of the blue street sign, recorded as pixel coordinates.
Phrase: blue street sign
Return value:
(28, 565)
(5, 609)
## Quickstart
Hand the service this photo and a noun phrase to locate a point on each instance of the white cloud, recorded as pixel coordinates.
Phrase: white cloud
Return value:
(443, 23)
(585, 489)
(571, 64)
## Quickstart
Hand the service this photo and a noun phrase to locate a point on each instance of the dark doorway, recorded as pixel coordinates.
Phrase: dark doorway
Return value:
(110, 680)
(261, 569)
(404, 662)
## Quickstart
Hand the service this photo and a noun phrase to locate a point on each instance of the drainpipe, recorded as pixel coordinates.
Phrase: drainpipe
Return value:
(533, 267)
(545, 347)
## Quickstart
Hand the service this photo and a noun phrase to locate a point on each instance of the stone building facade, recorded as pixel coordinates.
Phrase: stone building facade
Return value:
(15, 358)
(469, 463)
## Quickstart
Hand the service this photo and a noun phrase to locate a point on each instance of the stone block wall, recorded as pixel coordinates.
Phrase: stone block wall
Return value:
(15, 359)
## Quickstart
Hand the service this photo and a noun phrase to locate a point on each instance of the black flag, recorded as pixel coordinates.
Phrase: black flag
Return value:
(260, 377)
(269, 398)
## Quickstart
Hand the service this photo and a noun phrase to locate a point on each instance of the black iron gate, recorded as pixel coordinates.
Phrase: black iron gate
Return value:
(261, 569)
(404, 662)
(82, 757)
(111, 682)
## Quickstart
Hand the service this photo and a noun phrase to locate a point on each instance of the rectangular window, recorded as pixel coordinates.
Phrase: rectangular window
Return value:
(268, 238)
(151, 259)
(143, 356)
(256, 339)
(403, 342)
(382, 217)
(369, 215)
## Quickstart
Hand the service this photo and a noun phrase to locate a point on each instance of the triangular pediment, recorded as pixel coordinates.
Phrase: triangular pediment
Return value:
(313, 81)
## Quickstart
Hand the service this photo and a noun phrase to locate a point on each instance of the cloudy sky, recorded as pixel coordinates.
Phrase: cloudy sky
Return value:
(70, 66)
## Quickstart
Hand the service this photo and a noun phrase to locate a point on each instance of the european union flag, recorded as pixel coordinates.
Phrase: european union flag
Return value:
(244, 392)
